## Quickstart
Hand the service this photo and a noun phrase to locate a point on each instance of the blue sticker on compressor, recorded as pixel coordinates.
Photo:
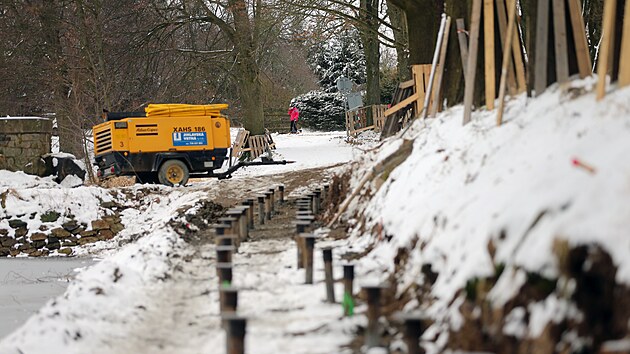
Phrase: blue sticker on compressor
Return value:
(190, 139)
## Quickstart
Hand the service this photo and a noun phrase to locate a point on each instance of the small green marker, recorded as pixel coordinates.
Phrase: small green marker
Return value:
(348, 304)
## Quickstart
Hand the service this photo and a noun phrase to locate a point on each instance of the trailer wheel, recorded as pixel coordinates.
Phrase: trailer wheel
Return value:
(173, 172)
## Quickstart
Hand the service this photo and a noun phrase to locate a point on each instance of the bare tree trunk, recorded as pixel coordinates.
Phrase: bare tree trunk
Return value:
(398, 20)
(369, 36)
(423, 24)
(247, 67)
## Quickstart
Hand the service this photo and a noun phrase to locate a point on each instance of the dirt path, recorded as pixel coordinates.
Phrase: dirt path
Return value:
(284, 315)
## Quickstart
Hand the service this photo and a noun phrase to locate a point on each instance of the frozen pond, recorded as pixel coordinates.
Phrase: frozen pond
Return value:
(27, 283)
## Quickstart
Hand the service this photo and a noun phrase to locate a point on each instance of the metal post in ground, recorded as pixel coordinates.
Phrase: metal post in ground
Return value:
(224, 271)
(414, 327)
(318, 199)
(234, 228)
(235, 333)
(309, 247)
(272, 198)
(225, 240)
(229, 299)
(237, 213)
(348, 284)
(328, 272)
(313, 204)
(224, 254)
(281, 193)
(372, 333)
(261, 209)
(305, 217)
(268, 205)
(240, 212)
(250, 212)
(300, 228)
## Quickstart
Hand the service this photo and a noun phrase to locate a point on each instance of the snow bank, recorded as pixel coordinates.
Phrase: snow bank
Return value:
(478, 196)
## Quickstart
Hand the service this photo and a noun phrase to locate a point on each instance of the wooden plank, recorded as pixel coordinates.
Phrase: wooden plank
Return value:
(560, 41)
(463, 42)
(440, 73)
(471, 65)
(506, 59)
(517, 52)
(502, 21)
(404, 103)
(624, 58)
(606, 47)
(406, 84)
(428, 101)
(488, 37)
(418, 75)
(579, 36)
(542, 38)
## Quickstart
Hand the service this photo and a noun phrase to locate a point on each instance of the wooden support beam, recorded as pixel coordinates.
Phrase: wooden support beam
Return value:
(406, 84)
(542, 38)
(579, 35)
(402, 104)
(440, 69)
(606, 47)
(506, 59)
(502, 21)
(463, 42)
(471, 65)
(488, 32)
(624, 58)
(560, 41)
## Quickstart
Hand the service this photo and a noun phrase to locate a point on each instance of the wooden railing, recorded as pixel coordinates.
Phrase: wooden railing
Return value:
(365, 118)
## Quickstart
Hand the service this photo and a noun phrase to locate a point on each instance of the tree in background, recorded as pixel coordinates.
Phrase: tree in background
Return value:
(331, 59)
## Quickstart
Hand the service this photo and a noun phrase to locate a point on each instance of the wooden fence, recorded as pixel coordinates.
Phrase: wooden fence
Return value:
(365, 118)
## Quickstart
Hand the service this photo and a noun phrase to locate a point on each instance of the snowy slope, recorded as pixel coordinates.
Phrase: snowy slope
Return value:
(478, 196)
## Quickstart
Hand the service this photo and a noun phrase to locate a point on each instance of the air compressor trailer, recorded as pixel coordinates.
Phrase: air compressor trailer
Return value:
(168, 143)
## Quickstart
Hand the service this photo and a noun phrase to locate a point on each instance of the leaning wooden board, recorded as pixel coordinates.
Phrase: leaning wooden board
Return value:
(440, 69)
(471, 65)
(506, 59)
(606, 47)
(488, 37)
(517, 52)
(579, 35)
(560, 41)
(502, 21)
(542, 38)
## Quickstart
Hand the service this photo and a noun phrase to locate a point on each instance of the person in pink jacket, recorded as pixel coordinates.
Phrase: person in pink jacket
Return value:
(294, 114)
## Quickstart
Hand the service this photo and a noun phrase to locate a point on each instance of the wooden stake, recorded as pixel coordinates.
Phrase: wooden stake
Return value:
(502, 16)
(436, 54)
(440, 69)
(579, 35)
(560, 41)
(624, 58)
(488, 31)
(542, 38)
(463, 43)
(471, 65)
(506, 59)
(606, 47)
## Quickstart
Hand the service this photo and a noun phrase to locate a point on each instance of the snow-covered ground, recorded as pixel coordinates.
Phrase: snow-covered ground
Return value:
(469, 201)
(154, 292)
(473, 199)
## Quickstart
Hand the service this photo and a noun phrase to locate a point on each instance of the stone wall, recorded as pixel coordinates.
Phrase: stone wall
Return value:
(23, 140)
